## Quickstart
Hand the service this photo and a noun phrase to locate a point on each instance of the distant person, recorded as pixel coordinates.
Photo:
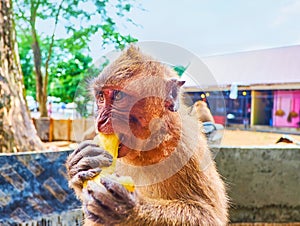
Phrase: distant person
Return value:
(50, 109)
(63, 107)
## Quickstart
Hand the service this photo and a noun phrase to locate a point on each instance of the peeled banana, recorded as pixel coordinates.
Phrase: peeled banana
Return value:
(110, 143)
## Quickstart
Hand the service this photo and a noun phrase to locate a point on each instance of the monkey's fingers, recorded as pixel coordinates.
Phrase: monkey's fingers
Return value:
(83, 145)
(97, 209)
(88, 151)
(92, 210)
(88, 163)
(116, 205)
(119, 191)
(78, 179)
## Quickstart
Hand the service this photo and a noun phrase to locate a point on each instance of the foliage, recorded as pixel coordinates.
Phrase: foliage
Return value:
(66, 76)
(80, 19)
(83, 98)
(180, 69)
(26, 61)
(57, 63)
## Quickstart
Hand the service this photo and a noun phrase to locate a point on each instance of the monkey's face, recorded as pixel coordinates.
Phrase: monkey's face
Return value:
(123, 113)
(135, 115)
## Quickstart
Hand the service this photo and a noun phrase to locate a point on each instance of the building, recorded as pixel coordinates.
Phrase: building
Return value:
(266, 84)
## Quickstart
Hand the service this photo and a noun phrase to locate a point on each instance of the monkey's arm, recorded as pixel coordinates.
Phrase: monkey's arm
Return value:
(108, 202)
(112, 204)
(173, 212)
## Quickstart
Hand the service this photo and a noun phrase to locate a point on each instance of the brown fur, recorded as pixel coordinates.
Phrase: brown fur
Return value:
(195, 193)
(201, 112)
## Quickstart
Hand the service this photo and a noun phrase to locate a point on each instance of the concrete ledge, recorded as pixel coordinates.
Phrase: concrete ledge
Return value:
(33, 187)
(70, 218)
(263, 182)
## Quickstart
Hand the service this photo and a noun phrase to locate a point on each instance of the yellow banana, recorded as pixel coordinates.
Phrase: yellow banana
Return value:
(110, 143)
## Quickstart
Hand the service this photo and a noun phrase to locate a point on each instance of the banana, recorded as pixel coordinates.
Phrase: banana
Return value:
(110, 143)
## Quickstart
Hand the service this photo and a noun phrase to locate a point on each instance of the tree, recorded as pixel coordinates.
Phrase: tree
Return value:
(17, 132)
(26, 61)
(81, 20)
(66, 75)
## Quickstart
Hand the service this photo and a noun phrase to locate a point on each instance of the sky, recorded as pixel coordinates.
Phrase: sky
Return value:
(217, 27)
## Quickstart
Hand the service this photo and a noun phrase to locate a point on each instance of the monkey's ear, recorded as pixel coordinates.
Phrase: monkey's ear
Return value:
(172, 91)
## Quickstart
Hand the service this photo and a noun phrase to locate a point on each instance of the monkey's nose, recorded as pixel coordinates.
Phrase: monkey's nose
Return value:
(105, 126)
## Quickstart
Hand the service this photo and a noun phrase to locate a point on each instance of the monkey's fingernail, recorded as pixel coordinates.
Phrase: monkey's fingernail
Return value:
(97, 170)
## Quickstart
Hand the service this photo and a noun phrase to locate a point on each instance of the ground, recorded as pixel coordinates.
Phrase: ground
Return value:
(252, 138)
(234, 137)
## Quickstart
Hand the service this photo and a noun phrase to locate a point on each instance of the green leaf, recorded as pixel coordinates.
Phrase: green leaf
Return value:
(180, 69)
(69, 61)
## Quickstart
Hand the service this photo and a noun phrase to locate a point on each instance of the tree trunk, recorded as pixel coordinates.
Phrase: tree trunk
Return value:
(41, 96)
(17, 132)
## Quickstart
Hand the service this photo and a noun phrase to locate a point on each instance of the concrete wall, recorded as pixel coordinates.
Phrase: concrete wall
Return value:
(263, 182)
(34, 187)
(64, 129)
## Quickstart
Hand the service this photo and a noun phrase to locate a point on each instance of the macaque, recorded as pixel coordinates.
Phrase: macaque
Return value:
(161, 148)
(212, 131)
(202, 112)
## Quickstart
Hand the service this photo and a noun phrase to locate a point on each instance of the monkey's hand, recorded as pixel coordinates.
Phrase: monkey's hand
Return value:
(85, 163)
(107, 203)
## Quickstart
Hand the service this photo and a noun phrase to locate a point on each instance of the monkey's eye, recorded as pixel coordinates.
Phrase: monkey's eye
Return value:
(118, 95)
(100, 96)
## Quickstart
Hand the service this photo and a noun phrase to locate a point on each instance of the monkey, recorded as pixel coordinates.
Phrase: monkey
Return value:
(161, 148)
(212, 131)
(202, 112)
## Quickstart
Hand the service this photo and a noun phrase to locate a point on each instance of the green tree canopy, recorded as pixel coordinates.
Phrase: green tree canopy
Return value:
(45, 55)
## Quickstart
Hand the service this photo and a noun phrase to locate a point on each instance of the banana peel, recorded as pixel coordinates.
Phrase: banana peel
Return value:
(110, 143)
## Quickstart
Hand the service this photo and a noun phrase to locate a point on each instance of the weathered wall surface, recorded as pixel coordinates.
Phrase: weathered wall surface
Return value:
(34, 186)
(263, 182)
